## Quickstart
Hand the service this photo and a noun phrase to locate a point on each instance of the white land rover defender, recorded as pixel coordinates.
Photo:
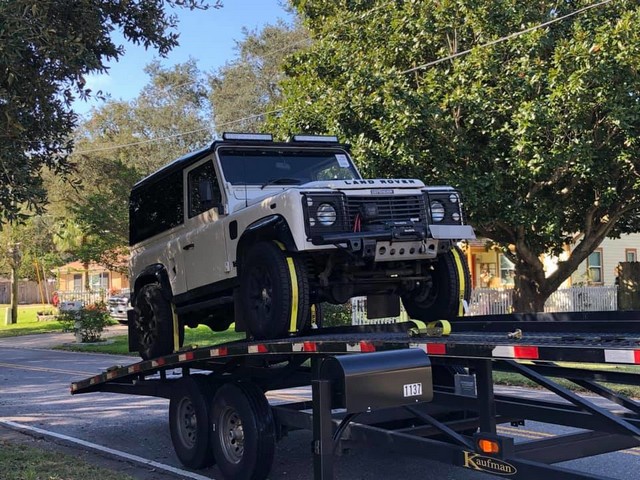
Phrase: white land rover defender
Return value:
(256, 231)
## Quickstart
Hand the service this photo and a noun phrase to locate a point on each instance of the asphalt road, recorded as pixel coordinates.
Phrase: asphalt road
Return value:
(34, 392)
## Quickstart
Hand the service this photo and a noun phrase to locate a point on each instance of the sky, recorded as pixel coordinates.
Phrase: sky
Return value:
(208, 36)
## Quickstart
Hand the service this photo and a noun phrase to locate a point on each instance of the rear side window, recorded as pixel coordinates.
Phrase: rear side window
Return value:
(156, 207)
(204, 190)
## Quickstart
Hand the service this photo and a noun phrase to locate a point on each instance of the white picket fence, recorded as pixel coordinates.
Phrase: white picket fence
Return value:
(486, 301)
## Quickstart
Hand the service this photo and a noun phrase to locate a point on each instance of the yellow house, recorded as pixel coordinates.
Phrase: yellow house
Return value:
(73, 277)
(492, 269)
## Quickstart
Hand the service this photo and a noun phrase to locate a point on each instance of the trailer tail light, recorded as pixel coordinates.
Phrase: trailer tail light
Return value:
(490, 447)
(495, 446)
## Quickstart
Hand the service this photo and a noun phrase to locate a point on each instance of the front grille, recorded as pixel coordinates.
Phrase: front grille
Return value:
(390, 208)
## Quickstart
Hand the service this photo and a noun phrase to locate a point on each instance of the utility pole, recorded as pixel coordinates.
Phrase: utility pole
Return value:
(15, 258)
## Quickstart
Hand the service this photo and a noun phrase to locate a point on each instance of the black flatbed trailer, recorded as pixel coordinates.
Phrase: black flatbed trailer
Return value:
(414, 391)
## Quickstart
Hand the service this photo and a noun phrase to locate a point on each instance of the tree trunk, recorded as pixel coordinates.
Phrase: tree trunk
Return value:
(15, 264)
(529, 295)
(85, 275)
(14, 295)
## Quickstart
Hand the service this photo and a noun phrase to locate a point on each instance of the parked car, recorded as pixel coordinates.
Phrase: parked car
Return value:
(118, 306)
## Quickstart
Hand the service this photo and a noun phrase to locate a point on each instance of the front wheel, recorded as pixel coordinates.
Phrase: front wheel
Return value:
(154, 323)
(443, 293)
(274, 292)
(243, 436)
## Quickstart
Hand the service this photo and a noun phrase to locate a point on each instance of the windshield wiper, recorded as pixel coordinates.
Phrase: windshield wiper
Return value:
(281, 180)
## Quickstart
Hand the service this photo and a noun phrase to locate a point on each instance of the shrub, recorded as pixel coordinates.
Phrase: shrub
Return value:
(89, 322)
(336, 315)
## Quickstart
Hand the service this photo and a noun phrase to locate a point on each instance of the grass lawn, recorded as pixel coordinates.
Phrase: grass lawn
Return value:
(119, 345)
(22, 462)
(515, 379)
(27, 321)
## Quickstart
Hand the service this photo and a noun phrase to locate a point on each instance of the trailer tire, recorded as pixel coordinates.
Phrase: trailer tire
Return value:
(441, 298)
(274, 290)
(243, 436)
(189, 421)
(155, 323)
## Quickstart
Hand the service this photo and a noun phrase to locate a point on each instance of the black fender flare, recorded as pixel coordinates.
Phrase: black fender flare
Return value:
(272, 227)
(155, 273)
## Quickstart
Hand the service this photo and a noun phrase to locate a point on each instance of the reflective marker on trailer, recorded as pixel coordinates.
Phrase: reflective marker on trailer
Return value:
(519, 351)
(622, 356)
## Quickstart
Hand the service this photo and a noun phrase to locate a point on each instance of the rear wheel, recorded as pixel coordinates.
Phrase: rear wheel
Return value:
(243, 436)
(154, 323)
(441, 295)
(189, 422)
(274, 292)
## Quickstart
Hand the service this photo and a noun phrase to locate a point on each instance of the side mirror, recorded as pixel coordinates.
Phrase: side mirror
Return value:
(206, 193)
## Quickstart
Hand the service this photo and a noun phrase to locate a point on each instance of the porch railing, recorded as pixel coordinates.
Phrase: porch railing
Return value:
(485, 301)
(86, 297)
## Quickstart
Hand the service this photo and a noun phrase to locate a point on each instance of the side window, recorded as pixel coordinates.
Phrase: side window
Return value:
(204, 190)
(155, 208)
(594, 267)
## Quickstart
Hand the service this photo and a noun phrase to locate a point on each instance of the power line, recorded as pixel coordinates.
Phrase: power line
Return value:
(158, 139)
(507, 37)
(419, 67)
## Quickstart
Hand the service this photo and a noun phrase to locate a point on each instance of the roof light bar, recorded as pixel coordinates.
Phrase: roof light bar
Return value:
(315, 138)
(261, 137)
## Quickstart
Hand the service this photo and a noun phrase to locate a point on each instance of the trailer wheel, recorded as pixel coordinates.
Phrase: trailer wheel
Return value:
(274, 292)
(243, 432)
(155, 323)
(441, 297)
(189, 422)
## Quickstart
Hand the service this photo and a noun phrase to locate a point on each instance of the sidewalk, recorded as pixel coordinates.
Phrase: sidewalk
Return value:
(50, 340)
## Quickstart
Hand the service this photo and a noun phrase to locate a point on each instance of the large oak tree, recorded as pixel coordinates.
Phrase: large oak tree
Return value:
(540, 132)
(47, 47)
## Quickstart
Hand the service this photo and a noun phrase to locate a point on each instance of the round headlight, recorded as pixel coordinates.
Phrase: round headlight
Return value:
(437, 211)
(453, 198)
(326, 214)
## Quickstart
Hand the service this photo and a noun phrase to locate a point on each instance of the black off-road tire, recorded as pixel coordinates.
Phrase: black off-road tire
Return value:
(268, 293)
(243, 437)
(440, 298)
(154, 323)
(189, 421)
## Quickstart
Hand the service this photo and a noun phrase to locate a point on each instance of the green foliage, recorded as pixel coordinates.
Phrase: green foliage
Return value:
(48, 47)
(89, 322)
(35, 242)
(116, 147)
(249, 85)
(336, 315)
(539, 131)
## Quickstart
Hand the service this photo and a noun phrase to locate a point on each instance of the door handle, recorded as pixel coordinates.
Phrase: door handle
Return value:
(191, 246)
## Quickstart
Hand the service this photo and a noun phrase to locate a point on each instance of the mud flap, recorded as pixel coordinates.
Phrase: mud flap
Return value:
(383, 306)
(132, 330)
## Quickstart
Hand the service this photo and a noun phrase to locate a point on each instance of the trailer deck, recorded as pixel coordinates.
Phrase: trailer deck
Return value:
(448, 410)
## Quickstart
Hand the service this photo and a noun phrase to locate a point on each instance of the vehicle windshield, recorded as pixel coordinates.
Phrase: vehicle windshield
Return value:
(284, 167)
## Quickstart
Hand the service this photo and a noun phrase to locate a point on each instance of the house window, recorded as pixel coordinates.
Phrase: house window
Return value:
(77, 281)
(99, 281)
(594, 267)
(631, 255)
(507, 271)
